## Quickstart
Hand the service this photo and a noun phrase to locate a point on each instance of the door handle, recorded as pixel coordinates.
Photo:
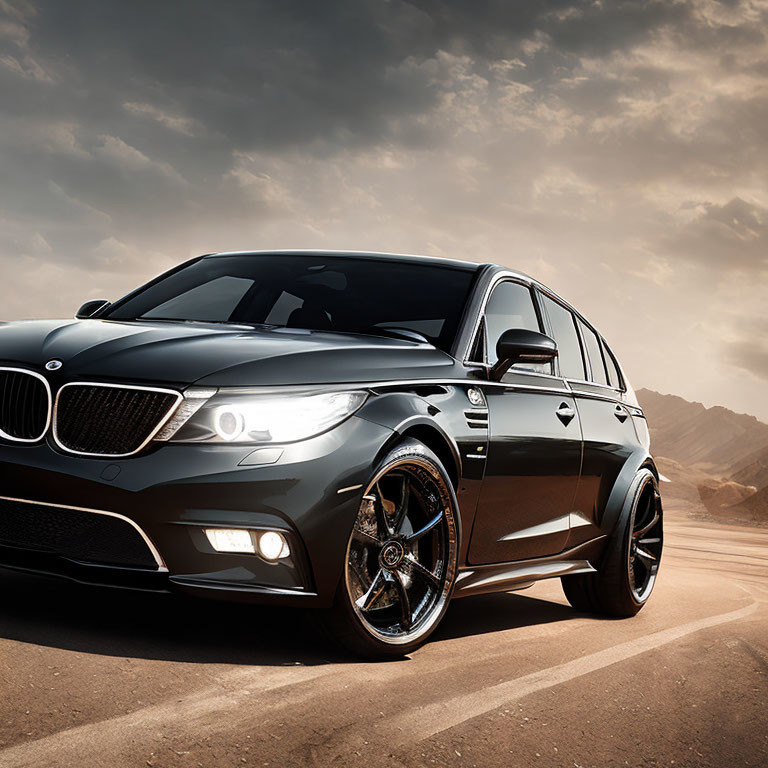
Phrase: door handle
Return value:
(565, 413)
(620, 414)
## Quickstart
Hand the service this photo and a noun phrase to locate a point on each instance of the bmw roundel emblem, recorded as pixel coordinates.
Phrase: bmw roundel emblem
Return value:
(53, 365)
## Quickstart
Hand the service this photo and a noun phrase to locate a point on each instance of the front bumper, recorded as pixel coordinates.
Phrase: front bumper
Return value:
(174, 491)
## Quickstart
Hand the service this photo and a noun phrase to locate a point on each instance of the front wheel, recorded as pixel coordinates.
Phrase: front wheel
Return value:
(630, 565)
(400, 563)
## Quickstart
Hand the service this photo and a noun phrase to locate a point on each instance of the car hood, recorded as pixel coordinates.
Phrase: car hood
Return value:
(181, 354)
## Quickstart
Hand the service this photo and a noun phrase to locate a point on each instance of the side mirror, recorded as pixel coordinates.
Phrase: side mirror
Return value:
(519, 345)
(90, 308)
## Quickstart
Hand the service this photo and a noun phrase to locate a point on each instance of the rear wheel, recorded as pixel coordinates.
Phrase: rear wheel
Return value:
(630, 565)
(400, 562)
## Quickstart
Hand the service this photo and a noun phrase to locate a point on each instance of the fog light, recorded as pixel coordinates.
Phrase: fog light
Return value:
(273, 546)
(231, 540)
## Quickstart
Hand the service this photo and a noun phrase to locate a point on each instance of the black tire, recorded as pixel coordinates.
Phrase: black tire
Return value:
(371, 615)
(627, 573)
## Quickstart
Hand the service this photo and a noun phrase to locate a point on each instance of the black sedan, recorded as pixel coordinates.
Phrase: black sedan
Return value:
(364, 434)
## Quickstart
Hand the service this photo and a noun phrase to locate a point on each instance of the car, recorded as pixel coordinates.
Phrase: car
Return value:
(363, 435)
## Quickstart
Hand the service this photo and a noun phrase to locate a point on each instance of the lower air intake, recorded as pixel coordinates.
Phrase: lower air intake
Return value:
(88, 537)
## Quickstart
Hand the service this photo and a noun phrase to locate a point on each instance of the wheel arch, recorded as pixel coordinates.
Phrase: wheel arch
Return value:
(409, 415)
(623, 486)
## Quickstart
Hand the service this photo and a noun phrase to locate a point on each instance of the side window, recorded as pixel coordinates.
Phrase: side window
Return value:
(568, 345)
(510, 306)
(614, 375)
(592, 344)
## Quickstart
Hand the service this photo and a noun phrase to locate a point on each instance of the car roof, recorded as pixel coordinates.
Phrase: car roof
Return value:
(402, 257)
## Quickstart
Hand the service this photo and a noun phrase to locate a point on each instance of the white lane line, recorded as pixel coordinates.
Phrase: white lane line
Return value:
(422, 722)
(75, 746)
(222, 706)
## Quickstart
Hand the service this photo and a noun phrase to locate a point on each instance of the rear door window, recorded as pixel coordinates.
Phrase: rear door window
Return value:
(564, 333)
(595, 354)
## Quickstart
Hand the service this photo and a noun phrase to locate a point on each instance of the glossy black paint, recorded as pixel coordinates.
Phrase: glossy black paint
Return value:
(541, 472)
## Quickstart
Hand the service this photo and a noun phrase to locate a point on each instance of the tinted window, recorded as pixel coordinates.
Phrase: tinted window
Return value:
(211, 301)
(564, 333)
(614, 377)
(510, 306)
(318, 292)
(595, 354)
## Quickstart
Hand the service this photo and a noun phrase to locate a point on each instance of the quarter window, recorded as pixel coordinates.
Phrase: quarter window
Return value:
(568, 345)
(592, 344)
(614, 376)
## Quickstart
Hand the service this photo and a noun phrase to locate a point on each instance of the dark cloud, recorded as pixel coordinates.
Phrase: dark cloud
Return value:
(611, 142)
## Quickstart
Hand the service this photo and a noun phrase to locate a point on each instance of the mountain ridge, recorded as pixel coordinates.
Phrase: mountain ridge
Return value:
(716, 440)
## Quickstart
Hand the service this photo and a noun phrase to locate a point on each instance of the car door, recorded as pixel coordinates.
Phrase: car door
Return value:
(534, 448)
(607, 428)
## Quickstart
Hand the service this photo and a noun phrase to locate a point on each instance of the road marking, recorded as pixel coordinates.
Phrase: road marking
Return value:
(234, 698)
(423, 722)
(234, 692)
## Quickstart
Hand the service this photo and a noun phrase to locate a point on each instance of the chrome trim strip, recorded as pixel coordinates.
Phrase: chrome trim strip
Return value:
(160, 425)
(596, 396)
(155, 554)
(350, 488)
(475, 455)
(42, 378)
(480, 383)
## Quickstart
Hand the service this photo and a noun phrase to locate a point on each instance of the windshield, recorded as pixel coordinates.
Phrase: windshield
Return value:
(317, 292)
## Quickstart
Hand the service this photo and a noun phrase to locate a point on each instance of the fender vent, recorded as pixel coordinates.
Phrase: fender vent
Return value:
(477, 418)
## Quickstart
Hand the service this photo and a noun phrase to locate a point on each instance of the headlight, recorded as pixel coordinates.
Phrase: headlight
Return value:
(250, 417)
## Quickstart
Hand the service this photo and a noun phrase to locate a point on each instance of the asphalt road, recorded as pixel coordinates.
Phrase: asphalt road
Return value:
(93, 678)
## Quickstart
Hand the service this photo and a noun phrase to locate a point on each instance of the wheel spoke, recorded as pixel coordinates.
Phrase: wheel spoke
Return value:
(433, 523)
(649, 541)
(382, 524)
(402, 507)
(636, 534)
(425, 573)
(405, 603)
(365, 536)
(643, 555)
(375, 591)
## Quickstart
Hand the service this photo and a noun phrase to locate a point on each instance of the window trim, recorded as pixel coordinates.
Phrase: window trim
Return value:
(552, 295)
(587, 358)
(574, 315)
(481, 325)
(622, 380)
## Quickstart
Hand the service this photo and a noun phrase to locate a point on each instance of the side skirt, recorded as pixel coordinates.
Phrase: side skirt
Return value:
(503, 577)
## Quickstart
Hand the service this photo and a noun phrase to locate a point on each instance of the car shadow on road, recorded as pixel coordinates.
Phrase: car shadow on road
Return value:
(482, 614)
(47, 612)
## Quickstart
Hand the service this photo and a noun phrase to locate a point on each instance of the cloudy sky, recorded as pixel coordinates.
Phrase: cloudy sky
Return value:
(614, 150)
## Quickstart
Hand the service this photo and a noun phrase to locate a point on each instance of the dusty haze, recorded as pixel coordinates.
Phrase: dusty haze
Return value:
(617, 151)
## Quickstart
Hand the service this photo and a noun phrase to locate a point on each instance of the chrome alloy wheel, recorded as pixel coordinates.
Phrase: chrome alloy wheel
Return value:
(401, 557)
(645, 542)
